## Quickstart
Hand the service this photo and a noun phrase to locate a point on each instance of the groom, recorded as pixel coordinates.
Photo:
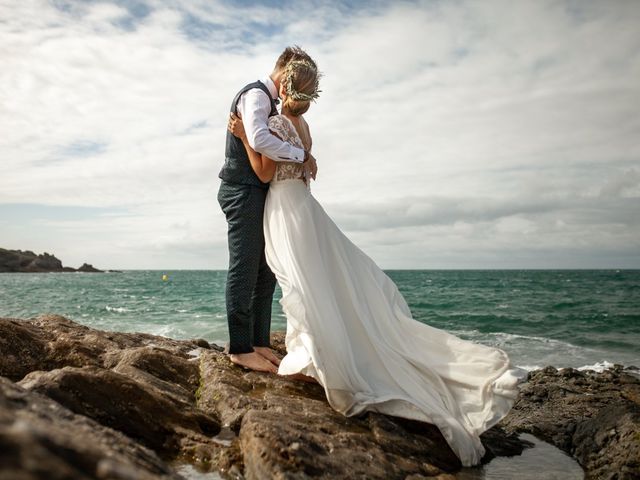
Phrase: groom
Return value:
(250, 282)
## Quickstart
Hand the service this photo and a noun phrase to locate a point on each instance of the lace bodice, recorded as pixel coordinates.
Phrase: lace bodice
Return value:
(282, 126)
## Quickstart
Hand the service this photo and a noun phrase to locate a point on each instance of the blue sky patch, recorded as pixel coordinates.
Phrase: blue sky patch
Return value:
(82, 148)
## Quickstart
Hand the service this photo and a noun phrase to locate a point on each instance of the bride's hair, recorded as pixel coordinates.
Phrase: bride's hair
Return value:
(291, 54)
(301, 80)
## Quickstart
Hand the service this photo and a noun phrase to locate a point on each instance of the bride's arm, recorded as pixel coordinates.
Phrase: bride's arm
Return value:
(263, 166)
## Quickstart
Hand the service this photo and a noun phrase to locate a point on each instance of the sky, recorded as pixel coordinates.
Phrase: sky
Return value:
(449, 134)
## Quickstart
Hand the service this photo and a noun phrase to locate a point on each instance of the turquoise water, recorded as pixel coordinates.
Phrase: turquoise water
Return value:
(562, 318)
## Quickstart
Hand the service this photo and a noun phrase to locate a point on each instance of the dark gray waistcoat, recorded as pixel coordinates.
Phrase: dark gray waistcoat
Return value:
(237, 168)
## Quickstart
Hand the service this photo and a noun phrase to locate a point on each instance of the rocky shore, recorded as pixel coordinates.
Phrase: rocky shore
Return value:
(594, 417)
(25, 261)
(82, 403)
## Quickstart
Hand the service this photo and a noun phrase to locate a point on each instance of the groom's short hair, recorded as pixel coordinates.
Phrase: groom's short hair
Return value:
(290, 54)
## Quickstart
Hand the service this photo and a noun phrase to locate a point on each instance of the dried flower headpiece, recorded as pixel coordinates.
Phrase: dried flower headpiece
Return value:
(288, 81)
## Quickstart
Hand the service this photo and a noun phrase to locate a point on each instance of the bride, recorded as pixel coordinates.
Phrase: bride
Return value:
(348, 327)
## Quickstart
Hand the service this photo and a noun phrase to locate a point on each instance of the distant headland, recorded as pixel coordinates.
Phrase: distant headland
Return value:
(27, 261)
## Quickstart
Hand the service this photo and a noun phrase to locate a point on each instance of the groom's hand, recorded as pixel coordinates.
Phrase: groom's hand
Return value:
(311, 166)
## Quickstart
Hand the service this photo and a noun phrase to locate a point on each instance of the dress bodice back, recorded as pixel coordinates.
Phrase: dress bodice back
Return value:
(282, 126)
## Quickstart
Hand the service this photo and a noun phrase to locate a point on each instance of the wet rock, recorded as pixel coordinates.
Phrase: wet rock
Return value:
(40, 439)
(498, 443)
(595, 417)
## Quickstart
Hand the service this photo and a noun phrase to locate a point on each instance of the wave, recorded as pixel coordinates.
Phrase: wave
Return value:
(534, 352)
(530, 368)
(510, 336)
(599, 367)
(570, 304)
(116, 309)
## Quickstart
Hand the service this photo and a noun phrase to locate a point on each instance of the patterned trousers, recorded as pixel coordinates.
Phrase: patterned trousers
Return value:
(250, 282)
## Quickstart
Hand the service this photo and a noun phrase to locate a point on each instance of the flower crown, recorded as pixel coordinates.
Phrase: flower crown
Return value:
(288, 81)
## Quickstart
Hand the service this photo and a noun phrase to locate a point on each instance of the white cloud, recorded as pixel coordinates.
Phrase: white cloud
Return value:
(455, 134)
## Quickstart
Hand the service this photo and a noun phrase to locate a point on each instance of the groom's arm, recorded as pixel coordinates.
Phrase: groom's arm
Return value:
(254, 108)
(236, 127)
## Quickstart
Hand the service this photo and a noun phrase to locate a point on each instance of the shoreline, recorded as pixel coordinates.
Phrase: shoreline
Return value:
(539, 319)
(135, 403)
(611, 269)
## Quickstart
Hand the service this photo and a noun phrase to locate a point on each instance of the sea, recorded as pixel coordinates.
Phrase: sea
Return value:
(587, 319)
(564, 318)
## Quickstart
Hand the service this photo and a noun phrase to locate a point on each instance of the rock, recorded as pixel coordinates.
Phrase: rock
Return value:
(70, 344)
(202, 343)
(286, 429)
(22, 348)
(27, 261)
(44, 263)
(161, 422)
(189, 402)
(88, 268)
(610, 439)
(595, 417)
(140, 384)
(40, 439)
(169, 373)
(330, 447)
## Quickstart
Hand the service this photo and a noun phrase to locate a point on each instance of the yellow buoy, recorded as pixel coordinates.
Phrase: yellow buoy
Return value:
(165, 277)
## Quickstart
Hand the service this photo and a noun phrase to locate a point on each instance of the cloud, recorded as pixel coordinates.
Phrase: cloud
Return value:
(444, 127)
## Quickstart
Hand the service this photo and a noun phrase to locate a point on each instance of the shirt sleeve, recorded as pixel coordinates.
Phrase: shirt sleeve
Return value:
(254, 108)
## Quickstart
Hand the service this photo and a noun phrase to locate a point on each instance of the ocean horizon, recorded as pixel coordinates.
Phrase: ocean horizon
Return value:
(581, 318)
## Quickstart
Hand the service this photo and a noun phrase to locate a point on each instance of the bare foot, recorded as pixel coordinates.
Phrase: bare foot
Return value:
(267, 353)
(254, 361)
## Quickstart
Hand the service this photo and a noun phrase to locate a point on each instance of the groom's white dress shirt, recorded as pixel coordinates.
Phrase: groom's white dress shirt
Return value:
(254, 107)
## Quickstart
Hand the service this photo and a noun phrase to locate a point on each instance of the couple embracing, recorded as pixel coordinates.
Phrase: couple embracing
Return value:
(348, 327)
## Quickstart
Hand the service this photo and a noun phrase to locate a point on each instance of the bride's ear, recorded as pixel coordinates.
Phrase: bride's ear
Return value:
(283, 91)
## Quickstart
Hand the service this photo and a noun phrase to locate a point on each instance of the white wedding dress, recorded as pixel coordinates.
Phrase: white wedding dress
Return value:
(350, 328)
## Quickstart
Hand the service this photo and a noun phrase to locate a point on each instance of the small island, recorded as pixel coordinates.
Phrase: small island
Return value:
(19, 261)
